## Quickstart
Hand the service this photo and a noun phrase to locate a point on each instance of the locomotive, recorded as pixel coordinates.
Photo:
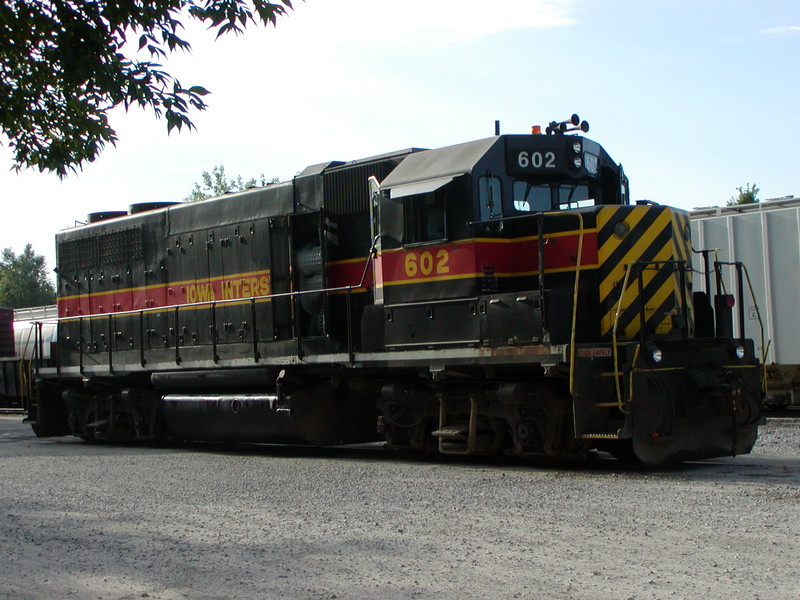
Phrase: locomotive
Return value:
(499, 296)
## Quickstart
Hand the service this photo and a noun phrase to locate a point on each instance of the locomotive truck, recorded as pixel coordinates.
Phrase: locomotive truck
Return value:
(496, 296)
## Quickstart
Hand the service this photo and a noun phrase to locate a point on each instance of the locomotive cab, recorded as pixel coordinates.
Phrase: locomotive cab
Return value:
(477, 187)
(493, 216)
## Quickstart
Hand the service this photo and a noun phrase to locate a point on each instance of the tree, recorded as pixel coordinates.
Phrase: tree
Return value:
(64, 65)
(747, 195)
(23, 280)
(216, 184)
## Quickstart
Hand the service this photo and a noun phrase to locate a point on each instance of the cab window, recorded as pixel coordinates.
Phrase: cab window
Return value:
(574, 196)
(490, 196)
(425, 218)
(531, 198)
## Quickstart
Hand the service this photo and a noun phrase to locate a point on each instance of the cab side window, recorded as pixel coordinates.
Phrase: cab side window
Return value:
(425, 217)
(490, 197)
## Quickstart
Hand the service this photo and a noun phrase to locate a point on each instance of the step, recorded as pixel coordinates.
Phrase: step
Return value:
(459, 432)
(603, 435)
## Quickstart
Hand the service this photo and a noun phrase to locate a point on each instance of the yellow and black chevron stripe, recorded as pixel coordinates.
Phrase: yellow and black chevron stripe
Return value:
(682, 240)
(649, 236)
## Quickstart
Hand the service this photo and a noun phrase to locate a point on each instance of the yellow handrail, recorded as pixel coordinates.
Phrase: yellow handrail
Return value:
(620, 403)
(575, 303)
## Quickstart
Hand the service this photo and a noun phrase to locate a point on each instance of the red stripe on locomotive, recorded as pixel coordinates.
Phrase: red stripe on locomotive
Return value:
(508, 258)
(232, 287)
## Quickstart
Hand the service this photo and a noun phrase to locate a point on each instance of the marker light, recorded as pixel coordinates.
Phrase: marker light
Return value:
(740, 352)
(657, 355)
(730, 301)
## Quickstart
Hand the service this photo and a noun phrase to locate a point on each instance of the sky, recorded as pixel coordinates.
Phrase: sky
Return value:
(694, 97)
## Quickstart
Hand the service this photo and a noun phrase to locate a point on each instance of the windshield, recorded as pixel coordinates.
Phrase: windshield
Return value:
(528, 197)
(574, 196)
(532, 198)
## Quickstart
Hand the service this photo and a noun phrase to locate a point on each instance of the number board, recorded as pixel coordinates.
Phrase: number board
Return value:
(534, 160)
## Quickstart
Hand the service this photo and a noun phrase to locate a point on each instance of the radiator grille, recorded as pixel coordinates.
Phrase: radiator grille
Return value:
(347, 189)
(109, 248)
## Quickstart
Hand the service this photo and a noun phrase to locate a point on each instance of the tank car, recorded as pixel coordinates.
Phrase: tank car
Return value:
(496, 296)
(26, 336)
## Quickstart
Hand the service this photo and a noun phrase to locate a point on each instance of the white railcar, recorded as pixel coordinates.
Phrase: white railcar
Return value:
(765, 236)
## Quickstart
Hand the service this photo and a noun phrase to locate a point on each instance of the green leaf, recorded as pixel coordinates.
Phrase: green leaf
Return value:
(56, 99)
(198, 90)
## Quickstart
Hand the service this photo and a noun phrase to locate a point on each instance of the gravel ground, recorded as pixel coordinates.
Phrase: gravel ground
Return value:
(205, 522)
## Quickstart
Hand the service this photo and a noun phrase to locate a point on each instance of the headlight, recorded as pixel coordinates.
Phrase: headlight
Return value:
(578, 162)
(657, 355)
(740, 352)
(576, 147)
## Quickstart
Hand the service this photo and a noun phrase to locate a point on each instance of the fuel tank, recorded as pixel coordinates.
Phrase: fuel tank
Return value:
(323, 415)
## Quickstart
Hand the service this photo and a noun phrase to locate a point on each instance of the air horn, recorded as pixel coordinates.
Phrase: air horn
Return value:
(562, 127)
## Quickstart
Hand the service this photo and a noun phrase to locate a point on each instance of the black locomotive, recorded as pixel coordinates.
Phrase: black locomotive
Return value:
(496, 296)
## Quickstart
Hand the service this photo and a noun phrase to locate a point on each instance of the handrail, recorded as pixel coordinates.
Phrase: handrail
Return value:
(641, 266)
(614, 348)
(741, 267)
(576, 287)
(534, 214)
(167, 307)
(256, 353)
(142, 358)
(177, 337)
(110, 342)
(764, 348)
(575, 302)
(739, 287)
(706, 268)
(38, 350)
(25, 376)
(25, 366)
